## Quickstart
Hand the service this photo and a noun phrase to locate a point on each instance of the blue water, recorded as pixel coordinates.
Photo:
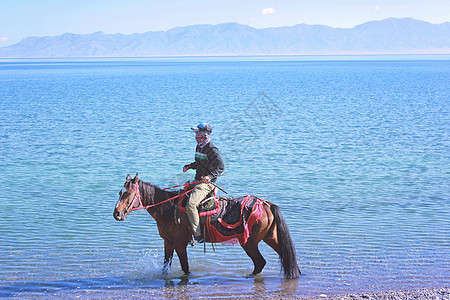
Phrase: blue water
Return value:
(355, 152)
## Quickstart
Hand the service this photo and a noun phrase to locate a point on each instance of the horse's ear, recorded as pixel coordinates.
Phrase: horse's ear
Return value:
(136, 178)
(128, 177)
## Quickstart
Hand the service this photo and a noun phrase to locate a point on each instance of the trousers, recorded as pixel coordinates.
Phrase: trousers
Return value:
(197, 195)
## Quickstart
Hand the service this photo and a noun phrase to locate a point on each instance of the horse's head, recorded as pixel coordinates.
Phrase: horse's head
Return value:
(127, 197)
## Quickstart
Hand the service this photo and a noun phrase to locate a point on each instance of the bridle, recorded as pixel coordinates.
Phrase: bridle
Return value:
(137, 197)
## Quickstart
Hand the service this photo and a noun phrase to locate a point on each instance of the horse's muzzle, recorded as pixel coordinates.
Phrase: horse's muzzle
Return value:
(119, 216)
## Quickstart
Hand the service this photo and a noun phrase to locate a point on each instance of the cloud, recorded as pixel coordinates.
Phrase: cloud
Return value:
(376, 7)
(3, 39)
(268, 11)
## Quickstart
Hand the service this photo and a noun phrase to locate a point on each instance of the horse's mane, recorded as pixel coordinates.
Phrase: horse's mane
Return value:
(152, 194)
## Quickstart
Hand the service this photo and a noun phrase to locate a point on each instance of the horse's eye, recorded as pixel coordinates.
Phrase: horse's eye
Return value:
(122, 191)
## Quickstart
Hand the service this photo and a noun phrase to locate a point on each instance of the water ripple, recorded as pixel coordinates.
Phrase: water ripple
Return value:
(356, 156)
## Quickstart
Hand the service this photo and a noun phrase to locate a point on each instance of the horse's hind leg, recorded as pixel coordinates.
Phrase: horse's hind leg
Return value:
(253, 252)
(271, 238)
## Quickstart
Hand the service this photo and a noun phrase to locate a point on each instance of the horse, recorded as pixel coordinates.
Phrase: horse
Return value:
(162, 205)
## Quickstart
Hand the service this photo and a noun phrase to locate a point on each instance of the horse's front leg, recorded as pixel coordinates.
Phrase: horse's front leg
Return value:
(182, 255)
(168, 255)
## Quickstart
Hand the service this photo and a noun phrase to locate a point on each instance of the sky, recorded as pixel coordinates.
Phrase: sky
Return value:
(22, 18)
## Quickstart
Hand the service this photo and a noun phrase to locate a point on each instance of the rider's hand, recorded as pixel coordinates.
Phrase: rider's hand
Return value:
(206, 179)
(185, 168)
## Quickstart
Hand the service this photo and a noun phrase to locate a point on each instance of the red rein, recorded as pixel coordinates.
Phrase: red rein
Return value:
(141, 206)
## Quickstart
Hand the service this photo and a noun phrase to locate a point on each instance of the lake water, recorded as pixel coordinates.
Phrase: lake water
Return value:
(355, 152)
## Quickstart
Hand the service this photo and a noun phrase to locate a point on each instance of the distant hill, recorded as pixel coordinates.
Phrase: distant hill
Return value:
(393, 35)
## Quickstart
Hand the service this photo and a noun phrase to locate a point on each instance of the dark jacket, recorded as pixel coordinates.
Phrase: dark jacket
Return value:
(208, 162)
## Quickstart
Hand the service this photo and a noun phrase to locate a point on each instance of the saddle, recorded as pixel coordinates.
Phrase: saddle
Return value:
(227, 220)
(233, 223)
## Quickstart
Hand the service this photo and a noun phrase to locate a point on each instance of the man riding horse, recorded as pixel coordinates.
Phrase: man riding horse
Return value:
(257, 219)
(208, 165)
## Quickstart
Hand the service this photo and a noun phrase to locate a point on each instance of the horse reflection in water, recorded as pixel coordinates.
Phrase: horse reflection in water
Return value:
(270, 227)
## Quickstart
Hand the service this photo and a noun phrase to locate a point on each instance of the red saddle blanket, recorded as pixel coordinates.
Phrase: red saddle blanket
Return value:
(231, 219)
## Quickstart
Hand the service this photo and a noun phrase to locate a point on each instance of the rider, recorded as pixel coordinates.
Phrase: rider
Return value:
(208, 165)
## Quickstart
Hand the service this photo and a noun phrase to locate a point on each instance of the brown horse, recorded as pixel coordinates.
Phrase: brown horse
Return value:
(270, 228)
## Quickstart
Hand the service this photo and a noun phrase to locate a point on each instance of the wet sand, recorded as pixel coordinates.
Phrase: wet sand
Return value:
(428, 293)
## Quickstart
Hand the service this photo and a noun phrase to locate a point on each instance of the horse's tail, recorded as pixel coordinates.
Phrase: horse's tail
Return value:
(286, 247)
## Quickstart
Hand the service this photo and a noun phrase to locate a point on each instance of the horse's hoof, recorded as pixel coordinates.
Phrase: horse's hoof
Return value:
(251, 275)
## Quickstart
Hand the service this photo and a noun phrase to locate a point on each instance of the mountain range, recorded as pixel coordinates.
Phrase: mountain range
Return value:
(393, 35)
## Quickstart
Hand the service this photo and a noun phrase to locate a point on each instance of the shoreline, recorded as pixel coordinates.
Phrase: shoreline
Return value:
(424, 293)
(261, 57)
